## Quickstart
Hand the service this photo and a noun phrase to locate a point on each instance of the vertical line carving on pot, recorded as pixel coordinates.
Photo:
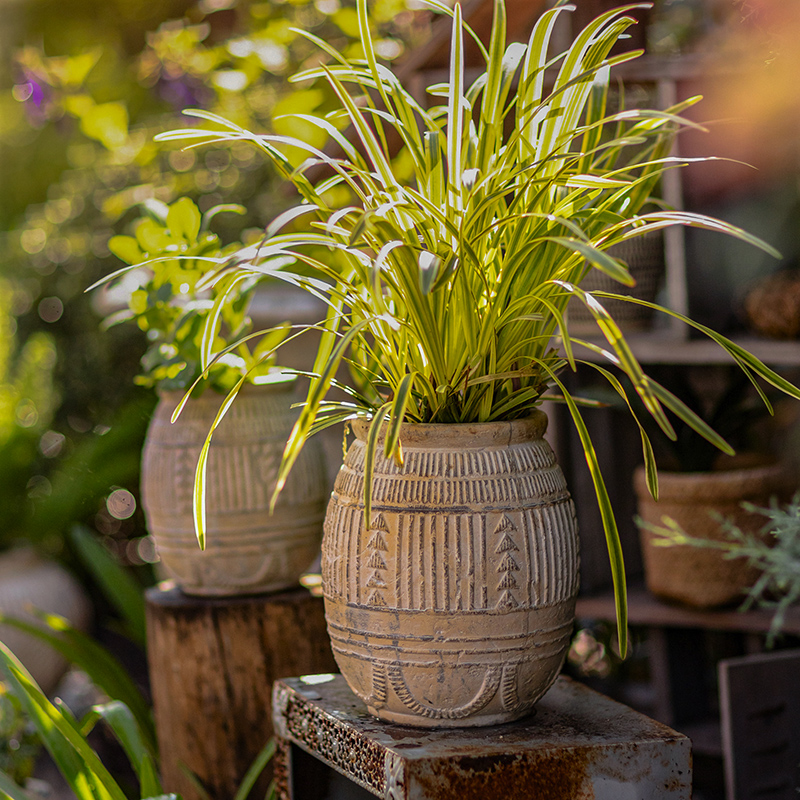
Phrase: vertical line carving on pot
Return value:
(527, 564)
(570, 523)
(402, 570)
(434, 560)
(454, 545)
(406, 526)
(330, 541)
(546, 563)
(341, 549)
(418, 566)
(484, 564)
(186, 461)
(560, 555)
(348, 537)
(471, 577)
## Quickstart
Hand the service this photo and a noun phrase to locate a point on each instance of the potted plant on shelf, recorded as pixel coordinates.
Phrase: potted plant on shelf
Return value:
(700, 488)
(771, 549)
(185, 312)
(450, 553)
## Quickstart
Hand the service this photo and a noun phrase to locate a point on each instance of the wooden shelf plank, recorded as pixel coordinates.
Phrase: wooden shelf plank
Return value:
(646, 610)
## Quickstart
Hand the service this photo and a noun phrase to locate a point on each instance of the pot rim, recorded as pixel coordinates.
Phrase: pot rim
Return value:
(281, 383)
(463, 435)
(728, 483)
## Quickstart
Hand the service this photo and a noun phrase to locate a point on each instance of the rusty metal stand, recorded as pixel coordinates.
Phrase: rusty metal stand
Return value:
(577, 744)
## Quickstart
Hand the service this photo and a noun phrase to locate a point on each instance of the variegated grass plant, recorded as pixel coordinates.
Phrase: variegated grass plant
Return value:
(449, 292)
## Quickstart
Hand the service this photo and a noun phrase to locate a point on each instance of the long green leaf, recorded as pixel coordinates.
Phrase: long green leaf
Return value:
(125, 727)
(77, 762)
(607, 515)
(120, 588)
(254, 771)
(199, 487)
(455, 112)
(104, 670)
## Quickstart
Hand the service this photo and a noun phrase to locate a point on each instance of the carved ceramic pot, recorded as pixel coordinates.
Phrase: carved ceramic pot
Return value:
(455, 606)
(248, 550)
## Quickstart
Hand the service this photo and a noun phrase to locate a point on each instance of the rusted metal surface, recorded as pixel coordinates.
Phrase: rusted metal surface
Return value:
(578, 745)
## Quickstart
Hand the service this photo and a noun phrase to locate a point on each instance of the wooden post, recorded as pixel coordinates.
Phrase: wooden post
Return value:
(212, 664)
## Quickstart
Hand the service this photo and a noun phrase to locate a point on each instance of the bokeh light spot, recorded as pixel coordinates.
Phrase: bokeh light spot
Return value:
(121, 504)
(50, 309)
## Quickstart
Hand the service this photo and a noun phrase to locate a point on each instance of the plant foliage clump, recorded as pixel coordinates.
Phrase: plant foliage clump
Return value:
(172, 252)
(448, 289)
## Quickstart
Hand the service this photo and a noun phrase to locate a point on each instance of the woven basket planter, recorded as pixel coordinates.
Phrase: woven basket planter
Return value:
(695, 576)
(644, 256)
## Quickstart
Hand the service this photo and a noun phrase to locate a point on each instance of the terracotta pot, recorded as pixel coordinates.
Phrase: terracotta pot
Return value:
(701, 577)
(455, 606)
(27, 582)
(248, 550)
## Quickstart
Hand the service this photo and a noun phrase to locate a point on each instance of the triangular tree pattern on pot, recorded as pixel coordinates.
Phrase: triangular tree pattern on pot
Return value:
(508, 566)
(376, 547)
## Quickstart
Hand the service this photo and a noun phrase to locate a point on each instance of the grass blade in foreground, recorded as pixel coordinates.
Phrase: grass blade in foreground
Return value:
(77, 762)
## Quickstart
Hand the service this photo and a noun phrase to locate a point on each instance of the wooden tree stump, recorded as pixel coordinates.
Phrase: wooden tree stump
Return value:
(212, 664)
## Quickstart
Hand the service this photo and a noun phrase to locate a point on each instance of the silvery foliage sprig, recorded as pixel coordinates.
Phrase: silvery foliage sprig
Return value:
(774, 550)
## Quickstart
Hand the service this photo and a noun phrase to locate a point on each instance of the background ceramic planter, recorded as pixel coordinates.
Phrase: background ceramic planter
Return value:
(247, 550)
(29, 581)
(455, 607)
(691, 575)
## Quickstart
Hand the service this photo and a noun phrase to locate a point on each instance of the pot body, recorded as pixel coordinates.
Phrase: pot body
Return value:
(455, 606)
(248, 550)
(695, 576)
(28, 581)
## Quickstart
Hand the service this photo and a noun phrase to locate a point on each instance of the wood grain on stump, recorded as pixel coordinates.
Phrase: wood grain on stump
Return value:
(212, 664)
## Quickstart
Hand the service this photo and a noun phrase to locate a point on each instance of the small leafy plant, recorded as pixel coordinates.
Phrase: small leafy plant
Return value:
(450, 291)
(181, 303)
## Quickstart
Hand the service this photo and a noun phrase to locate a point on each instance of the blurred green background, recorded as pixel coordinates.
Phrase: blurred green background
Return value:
(84, 88)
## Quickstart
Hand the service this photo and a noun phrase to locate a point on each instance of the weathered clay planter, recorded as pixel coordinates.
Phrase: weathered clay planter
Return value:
(28, 582)
(455, 607)
(701, 577)
(248, 550)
